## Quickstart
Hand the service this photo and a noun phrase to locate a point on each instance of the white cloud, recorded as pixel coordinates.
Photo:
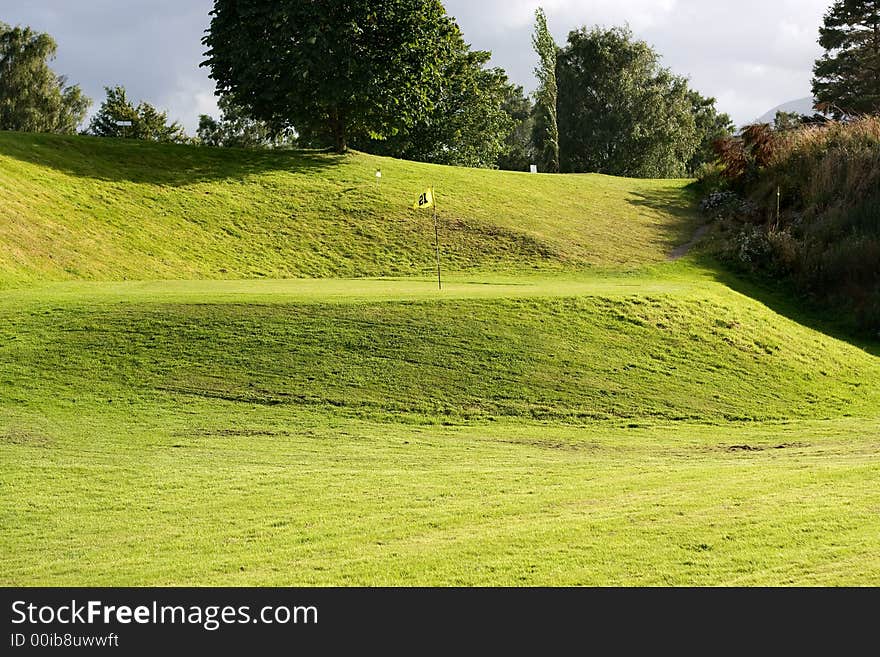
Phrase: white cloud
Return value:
(500, 15)
(750, 54)
(191, 97)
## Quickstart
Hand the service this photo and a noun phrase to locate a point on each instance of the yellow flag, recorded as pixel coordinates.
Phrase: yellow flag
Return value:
(426, 200)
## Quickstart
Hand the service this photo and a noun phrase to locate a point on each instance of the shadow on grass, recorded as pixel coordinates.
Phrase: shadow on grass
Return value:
(675, 202)
(128, 160)
(783, 299)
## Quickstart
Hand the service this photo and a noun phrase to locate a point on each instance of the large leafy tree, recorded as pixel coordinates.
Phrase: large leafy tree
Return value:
(847, 76)
(146, 121)
(620, 112)
(343, 67)
(467, 125)
(237, 129)
(32, 97)
(546, 124)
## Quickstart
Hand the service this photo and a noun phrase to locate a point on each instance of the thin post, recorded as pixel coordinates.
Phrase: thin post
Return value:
(437, 240)
(778, 205)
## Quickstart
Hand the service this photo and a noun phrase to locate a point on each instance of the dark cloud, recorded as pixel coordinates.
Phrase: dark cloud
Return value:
(751, 54)
(152, 47)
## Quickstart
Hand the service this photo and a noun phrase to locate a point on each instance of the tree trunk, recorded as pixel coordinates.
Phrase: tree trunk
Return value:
(337, 128)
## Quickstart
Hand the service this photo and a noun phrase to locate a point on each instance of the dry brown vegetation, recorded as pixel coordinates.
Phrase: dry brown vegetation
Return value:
(827, 236)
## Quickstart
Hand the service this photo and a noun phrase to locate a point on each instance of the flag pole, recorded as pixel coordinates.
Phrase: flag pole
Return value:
(437, 240)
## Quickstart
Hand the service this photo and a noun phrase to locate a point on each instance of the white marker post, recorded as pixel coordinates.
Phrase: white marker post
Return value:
(124, 124)
(378, 177)
(778, 205)
(533, 168)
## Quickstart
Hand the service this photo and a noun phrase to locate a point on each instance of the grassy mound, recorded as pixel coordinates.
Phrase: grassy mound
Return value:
(700, 353)
(256, 433)
(80, 207)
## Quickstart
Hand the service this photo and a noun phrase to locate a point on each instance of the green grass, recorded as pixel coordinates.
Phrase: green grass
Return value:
(210, 493)
(77, 207)
(585, 414)
(594, 355)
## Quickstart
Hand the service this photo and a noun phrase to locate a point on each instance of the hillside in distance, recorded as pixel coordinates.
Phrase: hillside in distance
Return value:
(802, 106)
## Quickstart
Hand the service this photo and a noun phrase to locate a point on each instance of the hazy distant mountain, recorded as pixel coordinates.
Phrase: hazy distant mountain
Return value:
(801, 106)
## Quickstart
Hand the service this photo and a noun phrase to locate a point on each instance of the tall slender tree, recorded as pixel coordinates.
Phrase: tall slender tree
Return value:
(847, 76)
(546, 125)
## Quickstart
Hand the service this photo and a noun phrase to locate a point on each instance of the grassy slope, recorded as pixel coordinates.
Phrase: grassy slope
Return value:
(79, 207)
(693, 351)
(573, 425)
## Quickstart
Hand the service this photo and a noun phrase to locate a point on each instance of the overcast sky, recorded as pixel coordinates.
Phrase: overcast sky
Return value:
(750, 54)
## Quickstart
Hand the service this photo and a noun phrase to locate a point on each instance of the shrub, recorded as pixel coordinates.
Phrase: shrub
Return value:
(827, 236)
(708, 174)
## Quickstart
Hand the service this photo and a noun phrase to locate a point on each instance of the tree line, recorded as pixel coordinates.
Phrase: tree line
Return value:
(395, 77)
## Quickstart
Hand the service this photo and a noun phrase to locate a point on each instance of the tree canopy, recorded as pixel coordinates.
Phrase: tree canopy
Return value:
(518, 152)
(147, 122)
(395, 77)
(711, 126)
(32, 97)
(467, 124)
(343, 67)
(620, 113)
(847, 77)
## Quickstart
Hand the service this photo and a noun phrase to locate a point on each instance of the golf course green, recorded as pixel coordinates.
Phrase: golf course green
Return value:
(225, 367)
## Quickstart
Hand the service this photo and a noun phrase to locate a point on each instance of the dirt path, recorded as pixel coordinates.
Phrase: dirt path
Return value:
(681, 251)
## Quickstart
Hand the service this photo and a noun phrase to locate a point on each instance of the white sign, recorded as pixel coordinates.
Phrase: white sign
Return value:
(533, 168)
(124, 124)
(378, 174)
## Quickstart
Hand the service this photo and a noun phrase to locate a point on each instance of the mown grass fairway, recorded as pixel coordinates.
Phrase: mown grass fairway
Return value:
(599, 418)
